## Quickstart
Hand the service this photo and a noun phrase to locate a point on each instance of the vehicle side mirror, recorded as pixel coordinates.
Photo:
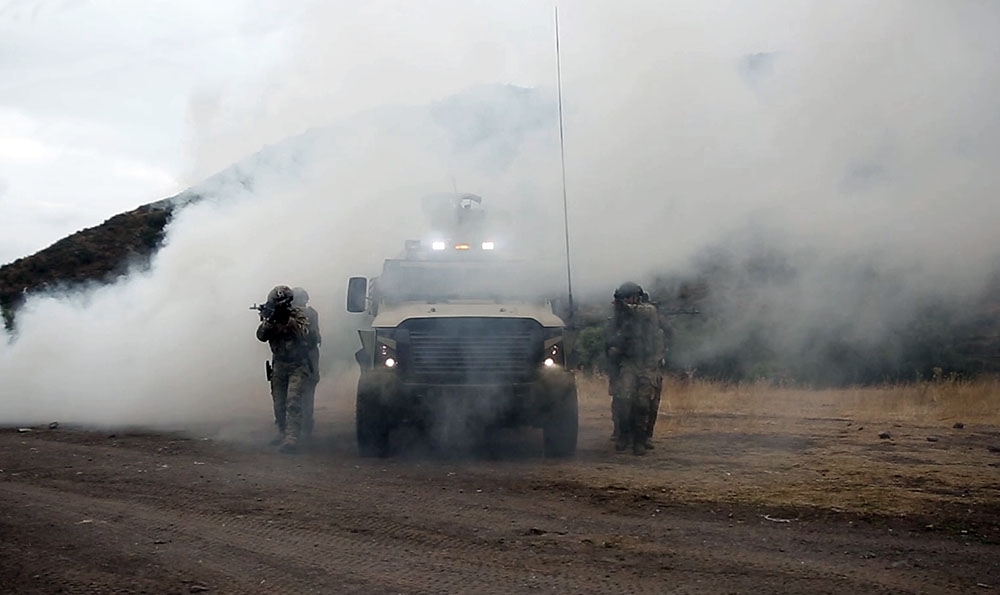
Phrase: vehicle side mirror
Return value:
(357, 294)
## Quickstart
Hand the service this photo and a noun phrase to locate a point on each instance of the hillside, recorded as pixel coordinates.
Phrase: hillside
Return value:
(96, 254)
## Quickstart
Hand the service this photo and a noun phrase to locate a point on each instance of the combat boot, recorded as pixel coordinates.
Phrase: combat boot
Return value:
(621, 443)
(638, 448)
(277, 440)
(291, 442)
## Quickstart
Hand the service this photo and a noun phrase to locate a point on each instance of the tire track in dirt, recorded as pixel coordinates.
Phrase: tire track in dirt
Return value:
(446, 546)
(236, 548)
(374, 520)
(228, 542)
(232, 517)
(48, 546)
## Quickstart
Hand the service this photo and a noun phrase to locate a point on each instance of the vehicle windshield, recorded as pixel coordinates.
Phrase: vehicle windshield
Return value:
(403, 280)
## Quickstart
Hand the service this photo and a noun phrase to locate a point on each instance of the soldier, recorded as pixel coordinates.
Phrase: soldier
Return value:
(300, 299)
(286, 329)
(613, 357)
(667, 333)
(637, 345)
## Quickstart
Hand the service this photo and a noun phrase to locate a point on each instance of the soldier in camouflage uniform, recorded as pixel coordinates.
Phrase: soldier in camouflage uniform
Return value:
(667, 332)
(300, 299)
(287, 330)
(613, 357)
(637, 345)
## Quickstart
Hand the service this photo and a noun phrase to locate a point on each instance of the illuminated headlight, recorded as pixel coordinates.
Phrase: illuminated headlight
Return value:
(386, 355)
(488, 245)
(553, 355)
(438, 245)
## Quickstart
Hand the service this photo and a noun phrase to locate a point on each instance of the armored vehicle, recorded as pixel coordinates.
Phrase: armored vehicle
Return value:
(458, 333)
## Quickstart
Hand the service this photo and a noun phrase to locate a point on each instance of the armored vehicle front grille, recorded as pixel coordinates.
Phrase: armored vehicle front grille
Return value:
(473, 350)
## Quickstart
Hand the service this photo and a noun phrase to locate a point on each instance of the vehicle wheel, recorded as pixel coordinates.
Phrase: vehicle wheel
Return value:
(372, 427)
(560, 431)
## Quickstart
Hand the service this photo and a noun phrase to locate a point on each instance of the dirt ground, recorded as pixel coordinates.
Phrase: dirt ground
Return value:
(760, 491)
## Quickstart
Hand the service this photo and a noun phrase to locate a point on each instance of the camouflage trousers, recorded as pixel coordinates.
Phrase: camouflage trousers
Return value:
(636, 404)
(309, 393)
(289, 388)
(308, 405)
(654, 412)
(615, 390)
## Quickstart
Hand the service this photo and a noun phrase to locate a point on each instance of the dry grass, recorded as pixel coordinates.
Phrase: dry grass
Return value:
(887, 450)
(969, 401)
(975, 401)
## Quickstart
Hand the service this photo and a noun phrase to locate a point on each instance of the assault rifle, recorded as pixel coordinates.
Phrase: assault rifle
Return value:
(668, 311)
(266, 310)
(676, 311)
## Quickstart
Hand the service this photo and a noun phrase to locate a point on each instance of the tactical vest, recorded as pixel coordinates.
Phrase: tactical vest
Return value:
(642, 338)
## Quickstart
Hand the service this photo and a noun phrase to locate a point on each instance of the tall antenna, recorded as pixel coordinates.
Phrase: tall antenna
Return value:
(562, 156)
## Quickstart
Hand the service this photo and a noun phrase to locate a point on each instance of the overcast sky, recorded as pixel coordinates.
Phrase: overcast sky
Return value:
(109, 104)
(94, 102)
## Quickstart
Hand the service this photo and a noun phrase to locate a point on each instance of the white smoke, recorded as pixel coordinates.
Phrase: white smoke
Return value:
(848, 130)
(176, 344)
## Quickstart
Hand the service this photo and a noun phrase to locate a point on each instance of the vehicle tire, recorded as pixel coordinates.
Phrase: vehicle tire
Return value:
(372, 427)
(560, 431)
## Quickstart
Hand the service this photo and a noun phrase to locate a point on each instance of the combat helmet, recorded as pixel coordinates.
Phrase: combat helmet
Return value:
(300, 297)
(281, 295)
(628, 289)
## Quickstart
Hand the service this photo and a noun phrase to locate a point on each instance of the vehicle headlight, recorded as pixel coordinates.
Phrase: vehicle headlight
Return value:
(385, 353)
(488, 245)
(552, 354)
(438, 245)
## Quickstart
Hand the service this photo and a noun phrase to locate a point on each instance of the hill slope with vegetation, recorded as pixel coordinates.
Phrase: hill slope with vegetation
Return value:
(98, 254)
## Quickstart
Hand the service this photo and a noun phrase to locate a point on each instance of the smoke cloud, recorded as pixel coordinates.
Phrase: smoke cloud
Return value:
(836, 134)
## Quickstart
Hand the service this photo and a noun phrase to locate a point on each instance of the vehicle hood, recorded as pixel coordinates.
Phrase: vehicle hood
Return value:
(392, 315)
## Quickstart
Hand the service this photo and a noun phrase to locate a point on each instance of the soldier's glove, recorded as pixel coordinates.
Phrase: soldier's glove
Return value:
(266, 311)
(281, 315)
